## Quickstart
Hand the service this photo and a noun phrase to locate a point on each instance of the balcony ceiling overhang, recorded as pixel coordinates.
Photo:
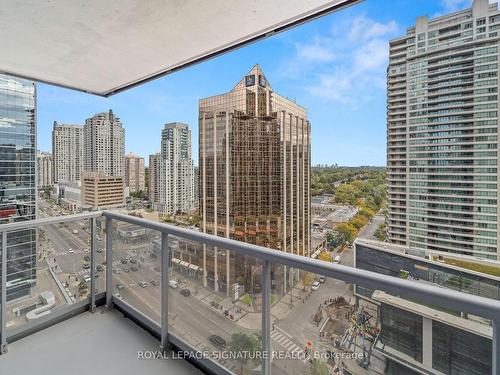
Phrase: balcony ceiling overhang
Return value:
(106, 46)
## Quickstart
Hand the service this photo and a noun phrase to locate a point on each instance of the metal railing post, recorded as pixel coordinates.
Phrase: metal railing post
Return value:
(92, 263)
(165, 262)
(496, 347)
(109, 262)
(3, 302)
(266, 318)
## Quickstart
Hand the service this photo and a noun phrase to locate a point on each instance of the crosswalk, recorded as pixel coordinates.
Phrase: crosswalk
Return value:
(289, 346)
(63, 253)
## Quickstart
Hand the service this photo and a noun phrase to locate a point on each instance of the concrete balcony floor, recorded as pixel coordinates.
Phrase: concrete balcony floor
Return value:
(100, 343)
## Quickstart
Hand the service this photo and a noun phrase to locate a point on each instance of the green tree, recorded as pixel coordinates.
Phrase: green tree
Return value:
(318, 368)
(243, 347)
(347, 232)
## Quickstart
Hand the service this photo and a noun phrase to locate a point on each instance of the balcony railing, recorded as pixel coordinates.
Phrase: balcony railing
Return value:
(177, 306)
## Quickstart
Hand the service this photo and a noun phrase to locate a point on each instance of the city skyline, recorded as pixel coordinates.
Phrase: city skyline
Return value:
(323, 83)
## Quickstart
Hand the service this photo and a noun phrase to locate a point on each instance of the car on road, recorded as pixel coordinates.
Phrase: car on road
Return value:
(173, 284)
(86, 258)
(126, 270)
(337, 259)
(86, 278)
(185, 292)
(100, 250)
(133, 268)
(155, 282)
(75, 231)
(99, 268)
(119, 286)
(315, 285)
(86, 266)
(322, 279)
(133, 261)
(71, 251)
(217, 341)
(99, 238)
(124, 261)
(142, 284)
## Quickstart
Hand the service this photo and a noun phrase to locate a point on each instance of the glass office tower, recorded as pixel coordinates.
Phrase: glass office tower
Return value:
(18, 180)
(254, 177)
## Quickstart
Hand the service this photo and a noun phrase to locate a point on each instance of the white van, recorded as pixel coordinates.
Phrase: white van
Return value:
(173, 284)
(337, 259)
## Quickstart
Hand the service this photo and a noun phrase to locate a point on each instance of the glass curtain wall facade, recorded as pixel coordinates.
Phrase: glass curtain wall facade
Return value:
(442, 150)
(18, 180)
(254, 176)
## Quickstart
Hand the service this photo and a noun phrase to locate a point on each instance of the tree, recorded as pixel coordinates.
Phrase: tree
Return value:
(306, 279)
(381, 232)
(243, 347)
(319, 368)
(347, 232)
(325, 256)
(359, 222)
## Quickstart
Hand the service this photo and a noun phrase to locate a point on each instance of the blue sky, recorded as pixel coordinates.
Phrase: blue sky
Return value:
(334, 66)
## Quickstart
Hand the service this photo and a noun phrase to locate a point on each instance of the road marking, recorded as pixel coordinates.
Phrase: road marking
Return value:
(288, 345)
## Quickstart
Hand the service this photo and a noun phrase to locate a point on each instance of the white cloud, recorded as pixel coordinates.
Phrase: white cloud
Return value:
(363, 28)
(347, 67)
(454, 5)
(314, 52)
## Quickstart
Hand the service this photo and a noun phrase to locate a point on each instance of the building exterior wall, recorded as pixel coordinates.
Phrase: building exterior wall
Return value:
(442, 149)
(104, 141)
(176, 174)
(44, 169)
(421, 337)
(154, 182)
(254, 149)
(67, 152)
(134, 173)
(100, 192)
(18, 180)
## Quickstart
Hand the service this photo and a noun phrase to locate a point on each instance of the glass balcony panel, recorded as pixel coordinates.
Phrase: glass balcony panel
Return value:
(215, 303)
(48, 268)
(137, 268)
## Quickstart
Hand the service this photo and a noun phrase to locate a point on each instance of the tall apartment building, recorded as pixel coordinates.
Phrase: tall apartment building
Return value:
(18, 180)
(44, 169)
(104, 141)
(196, 185)
(423, 339)
(101, 192)
(254, 163)
(134, 173)
(176, 180)
(67, 152)
(442, 149)
(154, 179)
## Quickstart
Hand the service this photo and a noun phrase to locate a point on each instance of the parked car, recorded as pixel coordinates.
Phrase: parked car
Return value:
(86, 266)
(173, 284)
(337, 259)
(71, 251)
(119, 286)
(99, 268)
(100, 250)
(133, 261)
(322, 279)
(124, 261)
(217, 341)
(185, 292)
(126, 270)
(86, 258)
(133, 268)
(315, 285)
(155, 282)
(86, 278)
(75, 231)
(142, 284)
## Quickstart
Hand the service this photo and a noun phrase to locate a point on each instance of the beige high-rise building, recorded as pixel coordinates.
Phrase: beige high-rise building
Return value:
(154, 170)
(442, 132)
(101, 192)
(67, 152)
(176, 173)
(104, 140)
(44, 169)
(254, 176)
(134, 173)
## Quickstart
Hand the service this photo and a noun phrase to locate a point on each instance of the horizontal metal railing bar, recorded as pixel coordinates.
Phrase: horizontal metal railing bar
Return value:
(56, 316)
(47, 221)
(177, 344)
(430, 294)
